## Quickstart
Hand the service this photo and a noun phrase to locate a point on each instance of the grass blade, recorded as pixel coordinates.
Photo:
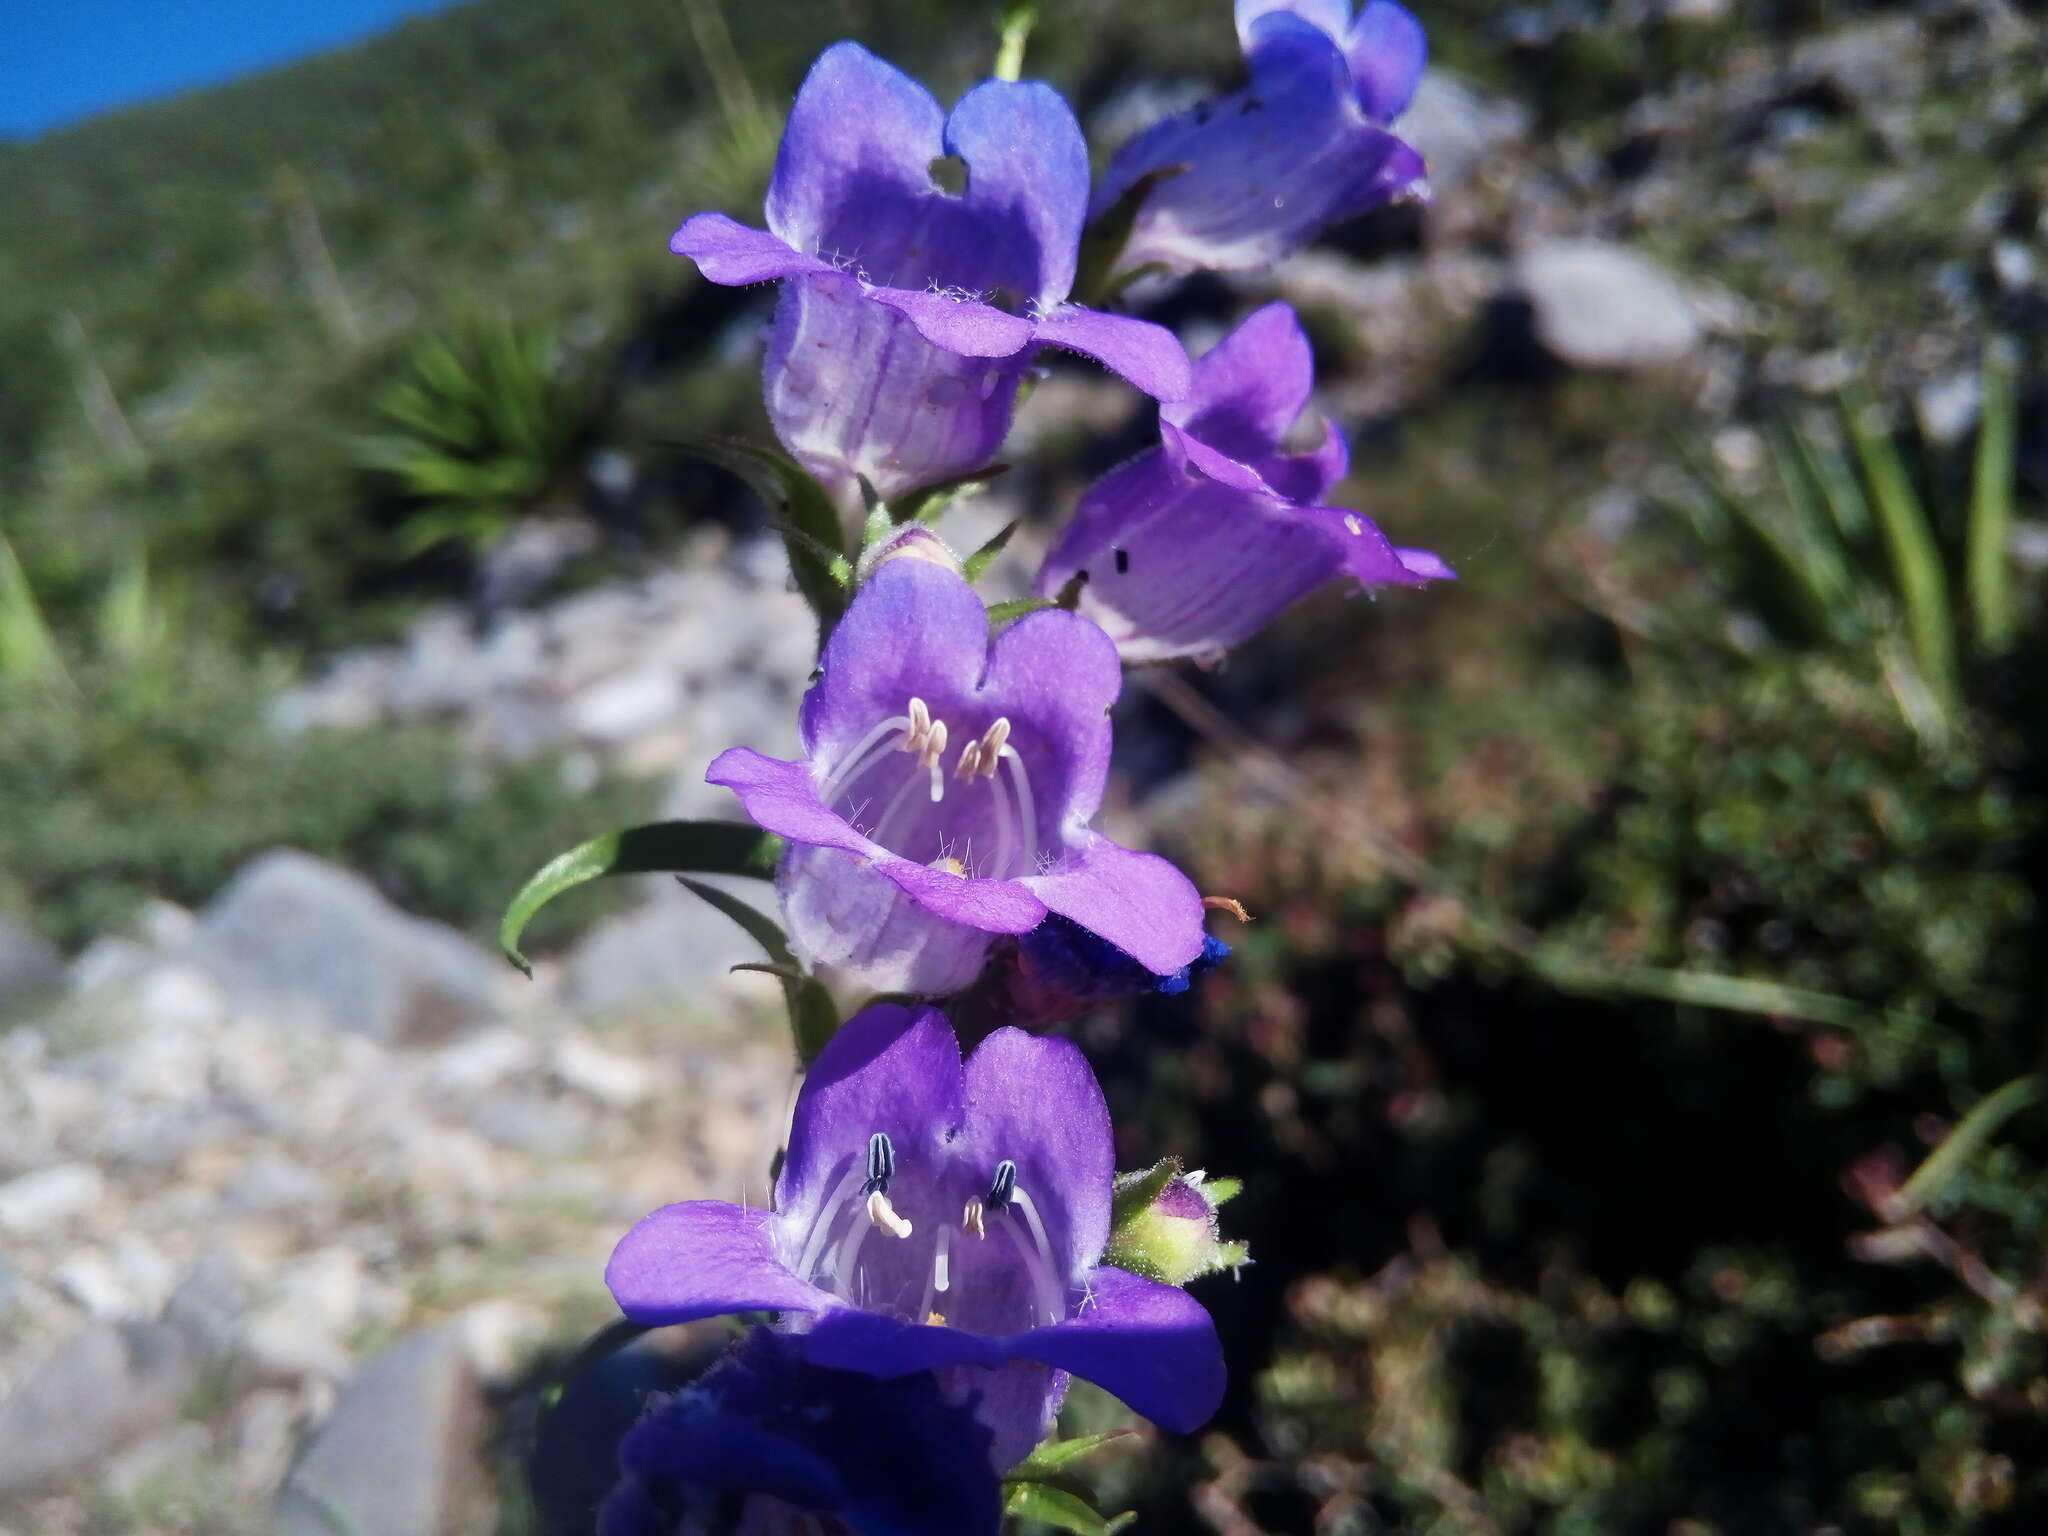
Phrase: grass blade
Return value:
(1916, 563)
(1988, 566)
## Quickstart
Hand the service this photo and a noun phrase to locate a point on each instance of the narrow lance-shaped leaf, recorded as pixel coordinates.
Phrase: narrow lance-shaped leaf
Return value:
(665, 847)
(1966, 1140)
(1989, 562)
(811, 531)
(1054, 1506)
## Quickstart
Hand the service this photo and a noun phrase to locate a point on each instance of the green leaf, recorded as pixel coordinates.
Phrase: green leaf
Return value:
(1220, 1190)
(813, 1016)
(1096, 279)
(1988, 563)
(608, 1340)
(978, 562)
(663, 847)
(1053, 1506)
(810, 523)
(1001, 614)
(1041, 1465)
(928, 503)
(1916, 563)
(27, 648)
(1961, 1144)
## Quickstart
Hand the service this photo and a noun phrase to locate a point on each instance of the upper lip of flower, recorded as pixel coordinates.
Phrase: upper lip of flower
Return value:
(890, 1111)
(852, 200)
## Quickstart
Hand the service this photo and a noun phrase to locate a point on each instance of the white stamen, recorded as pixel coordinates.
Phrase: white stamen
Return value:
(821, 1229)
(992, 742)
(934, 744)
(883, 1215)
(1006, 832)
(1044, 1272)
(938, 782)
(920, 717)
(941, 1261)
(1027, 807)
(865, 754)
(886, 828)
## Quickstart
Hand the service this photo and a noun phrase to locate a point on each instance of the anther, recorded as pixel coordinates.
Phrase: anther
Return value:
(993, 741)
(971, 1219)
(1228, 904)
(1004, 1186)
(920, 722)
(970, 761)
(881, 1164)
(934, 746)
(884, 1216)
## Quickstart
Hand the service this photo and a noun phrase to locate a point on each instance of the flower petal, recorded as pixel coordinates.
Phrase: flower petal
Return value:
(1420, 562)
(890, 1069)
(1249, 388)
(1033, 1100)
(854, 390)
(703, 1258)
(1146, 356)
(1056, 674)
(842, 912)
(958, 324)
(1330, 17)
(1151, 1345)
(1027, 185)
(1138, 901)
(1362, 551)
(781, 798)
(727, 251)
(855, 158)
(1387, 50)
(913, 630)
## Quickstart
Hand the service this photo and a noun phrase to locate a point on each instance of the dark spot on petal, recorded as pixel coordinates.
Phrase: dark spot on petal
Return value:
(1123, 562)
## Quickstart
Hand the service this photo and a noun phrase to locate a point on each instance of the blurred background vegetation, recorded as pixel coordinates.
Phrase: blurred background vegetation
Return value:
(1634, 918)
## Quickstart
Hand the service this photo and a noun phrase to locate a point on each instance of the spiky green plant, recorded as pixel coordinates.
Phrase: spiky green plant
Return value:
(484, 424)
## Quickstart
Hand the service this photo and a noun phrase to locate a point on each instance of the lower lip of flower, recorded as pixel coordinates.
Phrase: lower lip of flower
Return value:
(895, 788)
(987, 1263)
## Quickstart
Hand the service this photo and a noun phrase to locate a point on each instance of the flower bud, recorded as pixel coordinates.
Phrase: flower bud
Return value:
(914, 542)
(1164, 1227)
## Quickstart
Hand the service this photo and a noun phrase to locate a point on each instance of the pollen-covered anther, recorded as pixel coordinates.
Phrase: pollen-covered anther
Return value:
(970, 761)
(883, 1215)
(971, 1219)
(933, 747)
(948, 866)
(920, 724)
(1228, 904)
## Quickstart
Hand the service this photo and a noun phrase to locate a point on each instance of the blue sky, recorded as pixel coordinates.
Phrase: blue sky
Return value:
(61, 60)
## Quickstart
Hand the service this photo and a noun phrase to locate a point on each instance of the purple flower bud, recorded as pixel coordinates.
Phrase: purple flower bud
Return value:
(1060, 971)
(935, 1215)
(947, 789)
(909, 314)
(1246, 179)
(1166, 1226)
(767, 1443)
(1193, 546)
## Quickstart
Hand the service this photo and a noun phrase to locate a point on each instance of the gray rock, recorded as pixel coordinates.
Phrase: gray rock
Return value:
(104, 1386)
(294, 936)
(1605, 306)
(1453, 127)
(155, 1459)
(208, 1306)
(49, 1197)
(29, 965)
(399, 1456)
(672, 952)
(526, 1122)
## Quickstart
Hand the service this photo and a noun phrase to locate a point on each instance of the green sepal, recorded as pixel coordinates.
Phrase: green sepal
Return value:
(662, 847)
(1096, 280)
(808, 521)
(1056, 1507)
(1176, 1249)
(1002, 615)
(928, 503)
(1053, 1456)
(978, 562)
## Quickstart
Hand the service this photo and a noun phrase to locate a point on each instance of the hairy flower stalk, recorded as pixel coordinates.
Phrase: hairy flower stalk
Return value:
(1241, 181)
(946, 793)
(1194, 546)
(910, 313)
(935, 1215)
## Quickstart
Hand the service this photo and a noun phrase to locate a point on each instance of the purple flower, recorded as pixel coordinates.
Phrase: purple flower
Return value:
(1193, 546)
(911, 313)
(767, 1444)
(931, 1216)
(1247, 179)
(947, 789)
(1060, 971)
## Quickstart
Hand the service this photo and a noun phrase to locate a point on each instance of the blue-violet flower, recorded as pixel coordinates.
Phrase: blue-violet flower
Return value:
(935, 1216)
(1193, 546)
(946, 792)
(767, 1444)
(910, 313)
(1242, 181)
